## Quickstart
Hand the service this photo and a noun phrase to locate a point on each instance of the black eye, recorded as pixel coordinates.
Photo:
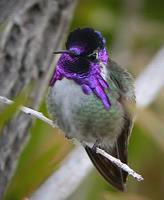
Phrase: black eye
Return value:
(92, 56)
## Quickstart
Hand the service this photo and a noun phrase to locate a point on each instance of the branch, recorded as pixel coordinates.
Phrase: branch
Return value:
(30, 111)
(40, 116)
(121, 165)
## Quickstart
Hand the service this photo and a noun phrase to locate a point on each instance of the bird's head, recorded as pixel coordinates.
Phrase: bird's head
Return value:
(82, 62)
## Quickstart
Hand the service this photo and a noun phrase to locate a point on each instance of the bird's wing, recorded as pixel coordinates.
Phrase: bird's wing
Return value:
(113, 174)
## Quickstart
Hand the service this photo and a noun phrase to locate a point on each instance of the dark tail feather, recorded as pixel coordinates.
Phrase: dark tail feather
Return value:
(107, 169)
(113, 174)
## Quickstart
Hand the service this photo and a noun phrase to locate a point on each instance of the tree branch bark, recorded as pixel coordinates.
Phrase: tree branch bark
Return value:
(8, 7)
(27, 42)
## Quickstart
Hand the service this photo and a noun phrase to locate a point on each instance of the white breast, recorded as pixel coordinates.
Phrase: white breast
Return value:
(68, 95)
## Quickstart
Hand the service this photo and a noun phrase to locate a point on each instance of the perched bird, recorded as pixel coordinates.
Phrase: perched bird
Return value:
(87, 99)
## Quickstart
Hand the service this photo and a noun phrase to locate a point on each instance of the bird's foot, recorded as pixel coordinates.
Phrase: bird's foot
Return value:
(95, 145)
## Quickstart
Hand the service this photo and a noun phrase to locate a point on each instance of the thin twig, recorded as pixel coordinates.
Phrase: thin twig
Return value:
(40, 116)
(121, 165)
(30, 111)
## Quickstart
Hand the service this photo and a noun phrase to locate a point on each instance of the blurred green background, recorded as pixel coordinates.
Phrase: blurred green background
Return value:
(134, 30)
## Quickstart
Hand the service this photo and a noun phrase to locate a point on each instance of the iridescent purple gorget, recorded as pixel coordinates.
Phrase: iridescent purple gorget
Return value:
(82, 62)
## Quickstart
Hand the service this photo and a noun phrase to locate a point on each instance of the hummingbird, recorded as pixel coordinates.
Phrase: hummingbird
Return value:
(87, 99)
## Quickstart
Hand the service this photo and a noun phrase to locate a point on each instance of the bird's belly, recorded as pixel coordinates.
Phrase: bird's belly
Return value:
(83, 116)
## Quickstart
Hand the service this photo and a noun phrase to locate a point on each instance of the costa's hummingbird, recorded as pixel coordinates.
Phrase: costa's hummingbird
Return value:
(87, 99)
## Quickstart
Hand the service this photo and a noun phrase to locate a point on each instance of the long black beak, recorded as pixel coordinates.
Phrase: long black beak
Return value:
(65, 51)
